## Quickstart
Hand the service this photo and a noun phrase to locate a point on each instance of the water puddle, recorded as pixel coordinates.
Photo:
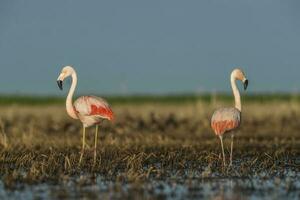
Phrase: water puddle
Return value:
(210, 188)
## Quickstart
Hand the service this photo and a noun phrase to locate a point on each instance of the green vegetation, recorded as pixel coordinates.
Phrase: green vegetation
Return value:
(140, 99)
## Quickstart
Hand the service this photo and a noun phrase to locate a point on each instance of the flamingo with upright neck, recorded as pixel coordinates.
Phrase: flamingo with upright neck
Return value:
(90, 110)
(229, 119)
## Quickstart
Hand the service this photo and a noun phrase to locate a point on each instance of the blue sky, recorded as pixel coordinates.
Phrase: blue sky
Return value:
(157, 46)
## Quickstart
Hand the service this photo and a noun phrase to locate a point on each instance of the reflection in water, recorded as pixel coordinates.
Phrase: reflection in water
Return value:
(217, 189)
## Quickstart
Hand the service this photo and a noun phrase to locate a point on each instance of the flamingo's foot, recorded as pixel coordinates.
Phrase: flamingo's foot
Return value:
(90, 151)
(95, 157)
(224, 165)
(81, 156)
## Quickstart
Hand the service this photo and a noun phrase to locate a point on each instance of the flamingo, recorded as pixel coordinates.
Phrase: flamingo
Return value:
(90, 110)
(226, 120)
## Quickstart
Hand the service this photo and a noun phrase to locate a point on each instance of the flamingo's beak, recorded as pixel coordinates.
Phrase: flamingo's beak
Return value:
(60, 84)
(246, 82)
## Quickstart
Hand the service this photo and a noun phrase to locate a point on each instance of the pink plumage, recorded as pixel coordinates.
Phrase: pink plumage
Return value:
(102, 111)
(228, 119)
(92, 110)
(225, 120)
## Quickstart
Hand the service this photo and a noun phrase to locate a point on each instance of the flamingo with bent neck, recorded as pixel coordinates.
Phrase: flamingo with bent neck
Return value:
(226, 120)
(90, 110)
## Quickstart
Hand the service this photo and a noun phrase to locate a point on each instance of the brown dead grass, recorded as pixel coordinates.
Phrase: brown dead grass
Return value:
(40, 143)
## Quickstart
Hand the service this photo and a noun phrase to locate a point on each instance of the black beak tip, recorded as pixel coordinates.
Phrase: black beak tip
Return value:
(60, 84)
(246, 84)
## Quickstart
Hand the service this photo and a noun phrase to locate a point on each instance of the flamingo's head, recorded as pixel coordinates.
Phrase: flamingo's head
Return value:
(65, 72)
(238, 74)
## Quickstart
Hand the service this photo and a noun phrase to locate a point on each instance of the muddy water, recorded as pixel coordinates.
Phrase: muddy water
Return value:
(212, 188)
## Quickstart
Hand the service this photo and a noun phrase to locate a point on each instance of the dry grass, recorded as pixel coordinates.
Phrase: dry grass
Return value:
(157, 141)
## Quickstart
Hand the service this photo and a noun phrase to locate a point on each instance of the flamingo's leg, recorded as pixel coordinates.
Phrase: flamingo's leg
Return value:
(95, 146)
(83, 145)
(221, 139)
(231, 149)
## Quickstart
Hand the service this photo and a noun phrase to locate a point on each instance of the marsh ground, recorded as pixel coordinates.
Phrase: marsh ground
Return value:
(152, 150)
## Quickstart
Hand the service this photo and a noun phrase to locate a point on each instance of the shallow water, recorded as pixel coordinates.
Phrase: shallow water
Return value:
(210, 188)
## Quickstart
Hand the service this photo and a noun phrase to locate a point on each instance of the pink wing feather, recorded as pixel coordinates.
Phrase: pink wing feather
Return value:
(225, 119)
(93, 106)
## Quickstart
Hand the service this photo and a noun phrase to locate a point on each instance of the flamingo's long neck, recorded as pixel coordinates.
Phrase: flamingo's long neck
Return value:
(69, 101)
(236, 93)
